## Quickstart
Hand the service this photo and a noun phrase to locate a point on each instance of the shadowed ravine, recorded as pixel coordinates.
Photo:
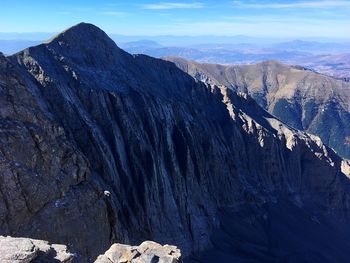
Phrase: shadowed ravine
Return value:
(185, 163)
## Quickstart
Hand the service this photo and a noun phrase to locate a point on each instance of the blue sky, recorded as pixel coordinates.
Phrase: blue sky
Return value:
(304, 18)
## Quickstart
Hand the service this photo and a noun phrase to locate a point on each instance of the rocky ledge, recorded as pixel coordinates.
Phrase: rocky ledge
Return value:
(25, 250)
(147, 252)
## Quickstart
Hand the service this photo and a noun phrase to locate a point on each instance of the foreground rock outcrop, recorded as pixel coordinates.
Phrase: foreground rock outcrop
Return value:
(147, 252)
(25, 250)
(99, 147)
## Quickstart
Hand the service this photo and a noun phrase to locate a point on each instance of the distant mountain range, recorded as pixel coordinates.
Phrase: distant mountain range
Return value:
(331, 58)
(299, 97)
(314, 47)
(326, 58)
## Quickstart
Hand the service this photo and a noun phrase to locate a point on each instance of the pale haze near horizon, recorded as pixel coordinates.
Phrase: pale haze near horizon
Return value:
(307, 19)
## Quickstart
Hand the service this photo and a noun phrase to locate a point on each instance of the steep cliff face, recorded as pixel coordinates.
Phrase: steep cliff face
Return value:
(45, 188)
(164, 157)
(299, 97)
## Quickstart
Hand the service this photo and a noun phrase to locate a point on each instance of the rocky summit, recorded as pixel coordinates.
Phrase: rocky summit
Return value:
(98, 147)
(298, 96)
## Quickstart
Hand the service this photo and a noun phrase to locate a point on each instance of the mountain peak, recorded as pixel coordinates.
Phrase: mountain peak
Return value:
(79, 30)
(83, 35)
(86, 44)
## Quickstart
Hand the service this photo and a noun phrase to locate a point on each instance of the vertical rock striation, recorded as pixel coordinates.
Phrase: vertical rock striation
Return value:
(45, 186)
(298, 96)
(130, 148)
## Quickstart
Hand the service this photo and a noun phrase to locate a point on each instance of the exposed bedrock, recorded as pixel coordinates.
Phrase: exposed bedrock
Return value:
(99, 147)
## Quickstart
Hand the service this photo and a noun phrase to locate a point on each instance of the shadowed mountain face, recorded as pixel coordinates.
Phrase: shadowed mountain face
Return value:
(98, 146)
(299, 97)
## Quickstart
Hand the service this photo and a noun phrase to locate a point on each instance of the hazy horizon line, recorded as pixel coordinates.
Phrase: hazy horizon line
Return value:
(36, 35)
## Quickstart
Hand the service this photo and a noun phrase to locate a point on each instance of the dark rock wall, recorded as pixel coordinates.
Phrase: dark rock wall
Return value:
(172, 153)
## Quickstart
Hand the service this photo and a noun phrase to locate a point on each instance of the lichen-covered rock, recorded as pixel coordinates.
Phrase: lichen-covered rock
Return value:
(25, 250)
(147, 252)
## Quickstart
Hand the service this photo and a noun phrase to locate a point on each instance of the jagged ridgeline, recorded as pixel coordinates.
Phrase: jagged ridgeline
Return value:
(300, 97)
(98, 146)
